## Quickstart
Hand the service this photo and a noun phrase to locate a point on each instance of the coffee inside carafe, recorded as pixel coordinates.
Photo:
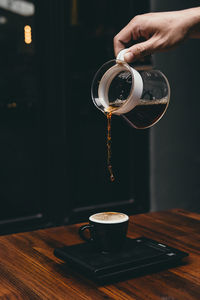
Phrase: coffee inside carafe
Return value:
(148, 109)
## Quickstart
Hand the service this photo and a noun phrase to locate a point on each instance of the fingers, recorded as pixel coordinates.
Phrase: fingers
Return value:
(137, 28)
(140, 50)
(133, 31)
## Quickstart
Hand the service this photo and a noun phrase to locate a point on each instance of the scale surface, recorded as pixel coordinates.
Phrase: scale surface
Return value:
(139, 256)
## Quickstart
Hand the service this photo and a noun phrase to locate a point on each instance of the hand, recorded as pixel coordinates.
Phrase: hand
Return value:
(161, 32)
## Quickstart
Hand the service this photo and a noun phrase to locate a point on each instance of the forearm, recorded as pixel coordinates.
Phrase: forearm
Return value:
(192, 18)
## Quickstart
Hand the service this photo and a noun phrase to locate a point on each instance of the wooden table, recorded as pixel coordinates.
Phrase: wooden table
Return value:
(29, 270)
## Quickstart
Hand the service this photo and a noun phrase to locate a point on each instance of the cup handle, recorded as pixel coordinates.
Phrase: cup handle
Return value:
(82, 230)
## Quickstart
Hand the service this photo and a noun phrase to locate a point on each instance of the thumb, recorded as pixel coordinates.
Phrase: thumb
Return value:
(139, 50)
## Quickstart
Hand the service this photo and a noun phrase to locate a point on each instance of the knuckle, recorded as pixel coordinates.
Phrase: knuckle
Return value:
(136, 18)
(133, 22)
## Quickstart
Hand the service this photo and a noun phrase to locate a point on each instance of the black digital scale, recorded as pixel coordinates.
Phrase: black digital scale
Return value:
(139, 256)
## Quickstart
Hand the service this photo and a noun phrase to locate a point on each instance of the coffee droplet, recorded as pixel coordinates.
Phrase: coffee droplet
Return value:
(112, 177)
(109, 165)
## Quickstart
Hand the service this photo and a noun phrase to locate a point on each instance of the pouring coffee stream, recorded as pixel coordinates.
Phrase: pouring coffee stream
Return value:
(139, 97)
(109, 165)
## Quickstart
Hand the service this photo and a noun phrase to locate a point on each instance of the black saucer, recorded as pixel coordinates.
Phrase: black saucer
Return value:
(139, 256)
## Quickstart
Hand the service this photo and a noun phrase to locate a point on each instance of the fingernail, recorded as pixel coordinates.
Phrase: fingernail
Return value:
(129, 57)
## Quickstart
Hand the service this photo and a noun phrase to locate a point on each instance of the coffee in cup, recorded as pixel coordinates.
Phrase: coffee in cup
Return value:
(107, 231)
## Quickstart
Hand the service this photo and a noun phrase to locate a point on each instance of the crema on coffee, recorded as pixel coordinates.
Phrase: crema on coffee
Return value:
(109, 218)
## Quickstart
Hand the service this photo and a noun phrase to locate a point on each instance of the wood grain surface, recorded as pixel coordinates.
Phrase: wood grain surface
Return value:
(29, 270)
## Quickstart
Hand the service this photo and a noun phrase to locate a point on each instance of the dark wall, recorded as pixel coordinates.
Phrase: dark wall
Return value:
(175, 143)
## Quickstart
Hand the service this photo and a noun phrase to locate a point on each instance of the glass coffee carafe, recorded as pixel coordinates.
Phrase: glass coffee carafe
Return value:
(140, 97)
